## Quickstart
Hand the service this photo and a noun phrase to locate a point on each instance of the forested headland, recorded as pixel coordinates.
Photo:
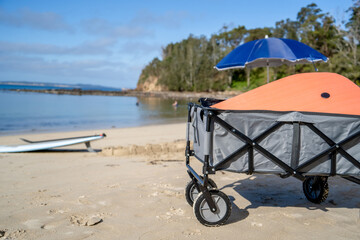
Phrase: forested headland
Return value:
(189, 65)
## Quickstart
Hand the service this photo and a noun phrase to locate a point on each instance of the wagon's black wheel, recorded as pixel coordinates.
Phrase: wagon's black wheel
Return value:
(316, 188)
(191, 192)
(204, 214)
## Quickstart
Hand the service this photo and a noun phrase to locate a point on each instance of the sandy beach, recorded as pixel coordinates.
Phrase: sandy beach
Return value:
(133, 188)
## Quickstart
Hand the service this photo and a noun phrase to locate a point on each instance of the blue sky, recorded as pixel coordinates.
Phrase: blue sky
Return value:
(108, 42)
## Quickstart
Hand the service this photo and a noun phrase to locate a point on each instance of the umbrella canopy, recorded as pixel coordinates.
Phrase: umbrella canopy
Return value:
(318, 92)
(270, 52)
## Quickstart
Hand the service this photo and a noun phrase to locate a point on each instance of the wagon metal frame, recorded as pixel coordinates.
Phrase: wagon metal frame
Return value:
(207, 197)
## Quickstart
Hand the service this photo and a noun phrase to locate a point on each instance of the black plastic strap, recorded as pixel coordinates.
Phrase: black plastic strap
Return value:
(295, 145)
(251, 160)
(352, 179)
(333, 164)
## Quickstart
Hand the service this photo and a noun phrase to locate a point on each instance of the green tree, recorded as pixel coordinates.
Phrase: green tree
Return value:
(188, 65)
(317, 29)
(352, 45)
(258, 33)
(287, 29)
(353, 26)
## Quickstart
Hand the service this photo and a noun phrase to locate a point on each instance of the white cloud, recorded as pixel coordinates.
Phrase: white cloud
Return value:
(170, 19)
(142, 25)
(25, 17)
(140, 47)
(38, 64)
(98, 47)
(92, 70)
(98, 26)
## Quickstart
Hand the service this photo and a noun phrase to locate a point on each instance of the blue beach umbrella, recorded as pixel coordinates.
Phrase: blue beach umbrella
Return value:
(270, 52)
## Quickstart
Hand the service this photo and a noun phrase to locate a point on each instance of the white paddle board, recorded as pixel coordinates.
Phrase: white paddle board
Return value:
(48, 144)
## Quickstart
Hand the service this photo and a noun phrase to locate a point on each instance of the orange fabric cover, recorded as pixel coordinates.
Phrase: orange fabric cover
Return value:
(302, 93)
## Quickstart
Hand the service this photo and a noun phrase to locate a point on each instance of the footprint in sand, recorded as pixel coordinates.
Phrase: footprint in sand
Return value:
(55, 211)
(189, 233)
(112, 165)
(169, 190)
(85, 220)
(33, 224)
(84, 200)
(16, 234)
(256, 224)
(173, 212)
(47, 227)
(154, 194)
(116, 185)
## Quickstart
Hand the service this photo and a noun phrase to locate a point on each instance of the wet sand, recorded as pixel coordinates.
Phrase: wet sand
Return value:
(133, 188)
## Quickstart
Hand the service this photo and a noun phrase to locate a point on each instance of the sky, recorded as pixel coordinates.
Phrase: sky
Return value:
(109, 42)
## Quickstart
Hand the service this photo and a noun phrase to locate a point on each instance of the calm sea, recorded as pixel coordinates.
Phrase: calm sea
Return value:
(37, 112)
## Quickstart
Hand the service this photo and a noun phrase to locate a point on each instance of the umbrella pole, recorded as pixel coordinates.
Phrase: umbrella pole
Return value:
(248, 76)
(314, 66)
(267, 69)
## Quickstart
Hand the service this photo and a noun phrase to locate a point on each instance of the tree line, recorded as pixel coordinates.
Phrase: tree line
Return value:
(189, 65)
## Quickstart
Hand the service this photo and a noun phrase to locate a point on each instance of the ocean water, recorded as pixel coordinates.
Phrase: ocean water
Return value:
(37, 112)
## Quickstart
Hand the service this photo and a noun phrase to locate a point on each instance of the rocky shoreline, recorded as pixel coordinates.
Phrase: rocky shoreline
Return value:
(134, 93)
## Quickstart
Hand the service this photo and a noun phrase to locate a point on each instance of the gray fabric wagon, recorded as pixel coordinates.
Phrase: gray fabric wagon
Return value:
(311, 131)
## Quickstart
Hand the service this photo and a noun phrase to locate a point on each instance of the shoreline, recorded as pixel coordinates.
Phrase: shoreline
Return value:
(133, 93)
(83, 132)
(85, 129)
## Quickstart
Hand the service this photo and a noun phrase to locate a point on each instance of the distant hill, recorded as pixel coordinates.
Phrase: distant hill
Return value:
(41, 85)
